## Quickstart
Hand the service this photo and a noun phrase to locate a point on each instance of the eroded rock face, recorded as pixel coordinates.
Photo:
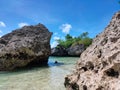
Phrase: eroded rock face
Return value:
(99, 65)
(76, 50)
(29, 45)
(59, 51)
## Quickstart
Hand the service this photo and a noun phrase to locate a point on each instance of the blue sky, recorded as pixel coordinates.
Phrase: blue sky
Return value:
(59, 16)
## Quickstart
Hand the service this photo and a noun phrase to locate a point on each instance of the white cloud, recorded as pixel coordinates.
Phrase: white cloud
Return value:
(23, 24)
(0, 31)
(2, 24)
(54, 44)
(56, 38)
(65, 28)
(56, 33)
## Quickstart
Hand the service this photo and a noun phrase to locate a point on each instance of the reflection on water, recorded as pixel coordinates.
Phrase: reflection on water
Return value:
(49, 77)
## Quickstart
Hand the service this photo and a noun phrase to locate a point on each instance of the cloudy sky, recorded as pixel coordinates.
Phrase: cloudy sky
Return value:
(60, 16)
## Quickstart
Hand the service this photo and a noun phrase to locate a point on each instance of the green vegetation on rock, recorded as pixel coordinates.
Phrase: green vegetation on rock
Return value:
(71, 41)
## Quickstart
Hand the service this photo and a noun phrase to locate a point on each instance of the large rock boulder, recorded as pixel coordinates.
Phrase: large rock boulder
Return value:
(76, 50)
(59, 51)
(99, 65)
(29, 45)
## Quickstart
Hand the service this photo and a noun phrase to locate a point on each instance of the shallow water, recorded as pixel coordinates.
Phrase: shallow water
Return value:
(50, 77)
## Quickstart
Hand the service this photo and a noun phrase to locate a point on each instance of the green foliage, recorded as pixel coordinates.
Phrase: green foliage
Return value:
(66, 43)
(68, 37)
(86, 41)
(81, 39)
(83, 35)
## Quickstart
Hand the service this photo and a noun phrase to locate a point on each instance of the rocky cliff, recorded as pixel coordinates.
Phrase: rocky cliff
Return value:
(29, 45)
(99, 65)
(74, 50)
(59, 51)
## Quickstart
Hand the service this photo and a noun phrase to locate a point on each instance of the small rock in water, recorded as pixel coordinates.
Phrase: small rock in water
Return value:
(56, 62)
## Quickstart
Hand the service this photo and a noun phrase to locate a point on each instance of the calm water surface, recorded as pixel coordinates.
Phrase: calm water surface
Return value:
(50, 77)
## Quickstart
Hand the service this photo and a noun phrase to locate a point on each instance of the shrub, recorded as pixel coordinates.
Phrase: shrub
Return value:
(81, 39)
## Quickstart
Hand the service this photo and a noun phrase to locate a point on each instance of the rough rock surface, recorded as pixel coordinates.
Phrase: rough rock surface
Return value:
(99, 65)
(59, 51)
(76, 50)
(29, 45)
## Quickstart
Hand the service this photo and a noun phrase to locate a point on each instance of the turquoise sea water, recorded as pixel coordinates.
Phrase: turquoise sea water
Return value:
(50, 77)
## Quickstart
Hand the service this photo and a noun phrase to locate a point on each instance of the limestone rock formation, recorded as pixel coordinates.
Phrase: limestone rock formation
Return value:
(59, 51)
(28, 45)
(76, 50)
(99, 65)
